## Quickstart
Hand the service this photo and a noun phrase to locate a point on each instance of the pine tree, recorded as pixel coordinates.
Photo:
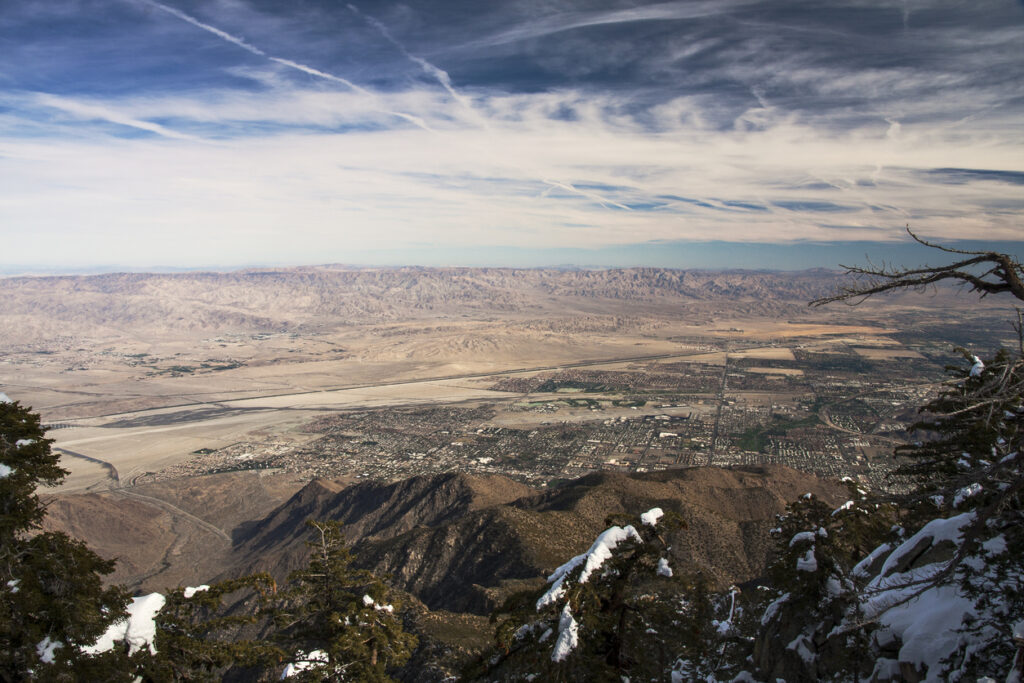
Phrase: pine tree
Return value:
(52, 599)
(968, 466)
(339, 622)
(974, 466)
(618, 611)
(810, 631)
(197, 641)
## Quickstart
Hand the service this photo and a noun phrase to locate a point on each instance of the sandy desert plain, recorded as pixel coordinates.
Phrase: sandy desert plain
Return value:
(287, 381)
(129, 393)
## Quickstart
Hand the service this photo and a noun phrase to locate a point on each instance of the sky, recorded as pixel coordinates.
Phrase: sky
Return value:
(774, 133)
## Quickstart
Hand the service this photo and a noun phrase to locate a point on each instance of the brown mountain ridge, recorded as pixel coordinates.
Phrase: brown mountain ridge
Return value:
(455, 541)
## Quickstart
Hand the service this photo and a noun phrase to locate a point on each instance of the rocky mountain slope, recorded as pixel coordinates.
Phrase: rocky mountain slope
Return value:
(457, 542)
(460, 543)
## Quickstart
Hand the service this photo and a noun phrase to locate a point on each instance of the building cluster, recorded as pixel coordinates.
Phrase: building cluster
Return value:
(819, 412)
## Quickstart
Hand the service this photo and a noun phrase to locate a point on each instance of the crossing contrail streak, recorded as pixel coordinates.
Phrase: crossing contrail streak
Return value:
(306, 69)
(446, 82)
(224, 35)
(438, 73)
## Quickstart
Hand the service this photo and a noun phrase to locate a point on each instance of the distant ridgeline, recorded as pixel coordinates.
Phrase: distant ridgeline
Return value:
(265, 300)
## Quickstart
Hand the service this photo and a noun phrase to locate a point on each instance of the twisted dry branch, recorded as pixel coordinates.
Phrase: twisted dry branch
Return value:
(1004, 273)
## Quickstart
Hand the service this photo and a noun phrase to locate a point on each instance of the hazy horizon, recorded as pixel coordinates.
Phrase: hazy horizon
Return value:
(686, 256)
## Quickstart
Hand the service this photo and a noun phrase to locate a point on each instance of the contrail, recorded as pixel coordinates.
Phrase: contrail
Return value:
(235, 40)
(317, 72)
(603, 201)
(206, 27)
(446, 82)
(440, 74)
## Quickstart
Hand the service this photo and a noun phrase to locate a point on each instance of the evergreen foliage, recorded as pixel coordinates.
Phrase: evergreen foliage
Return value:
(941, 566)
(974, 465)
(618, 611)
(339, 622)
(197, 641)
(52, 599)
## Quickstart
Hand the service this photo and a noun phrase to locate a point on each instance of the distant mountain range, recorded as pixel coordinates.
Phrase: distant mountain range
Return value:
(326, 297)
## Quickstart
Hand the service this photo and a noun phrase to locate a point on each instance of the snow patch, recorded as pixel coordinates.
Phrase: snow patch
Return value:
(807, 563)
(845, 506)
(13, 585)
(965, 493)
(192, 590)
(923, 618)
(138, 630)
(558, 577)
(370, 602)
(801, 645)
(45, 649)
(938, 530)
(4, 398)
(5, 471)
(651, 517)
(568, 636)
(860, 570)
(978, 367)
(801, 537)
(591, 560)
(304, 662)
(24, 442)
(927, 627)
(663, 568)
(995, 545)
(773, 609)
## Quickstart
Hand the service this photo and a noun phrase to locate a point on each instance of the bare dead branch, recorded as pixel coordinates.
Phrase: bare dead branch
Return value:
(999, 273)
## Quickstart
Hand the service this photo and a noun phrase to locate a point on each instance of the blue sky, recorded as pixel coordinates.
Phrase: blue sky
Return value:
(522, 132)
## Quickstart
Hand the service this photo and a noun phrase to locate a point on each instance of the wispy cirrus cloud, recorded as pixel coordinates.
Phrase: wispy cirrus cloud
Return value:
(242, 129)
(291, 64)
(98, 112)
(574, 19)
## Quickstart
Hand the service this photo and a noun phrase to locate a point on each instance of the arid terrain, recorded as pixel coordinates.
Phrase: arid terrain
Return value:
(204, 417)
(140, 372)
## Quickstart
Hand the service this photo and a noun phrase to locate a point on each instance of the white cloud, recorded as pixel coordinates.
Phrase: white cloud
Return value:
(569, 20)
(98, 112)
(307, 169)
(528, 181)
